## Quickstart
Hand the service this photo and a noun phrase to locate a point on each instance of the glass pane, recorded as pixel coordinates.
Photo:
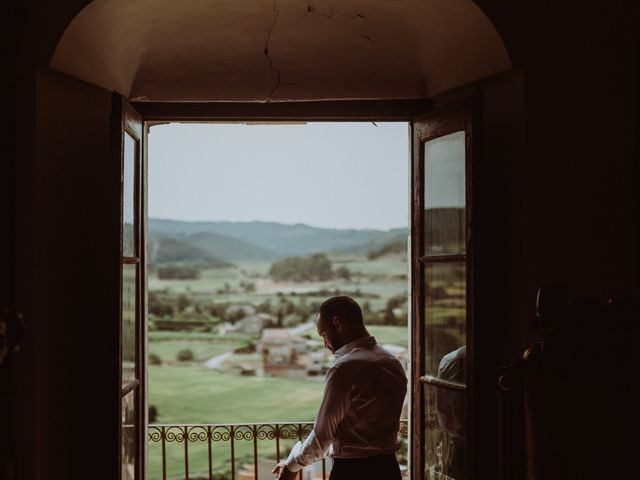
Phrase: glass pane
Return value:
(445, 314)
(128, 323)
(445, 433)
(129, 436)
(444, 195)
(128, 200)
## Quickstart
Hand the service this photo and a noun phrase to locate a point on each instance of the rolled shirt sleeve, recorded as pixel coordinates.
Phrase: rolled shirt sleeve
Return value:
(334, 406)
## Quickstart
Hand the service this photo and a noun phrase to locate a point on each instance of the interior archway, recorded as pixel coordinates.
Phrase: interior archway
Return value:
(251, 50)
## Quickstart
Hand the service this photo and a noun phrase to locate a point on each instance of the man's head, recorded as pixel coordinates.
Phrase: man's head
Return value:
(339, 321)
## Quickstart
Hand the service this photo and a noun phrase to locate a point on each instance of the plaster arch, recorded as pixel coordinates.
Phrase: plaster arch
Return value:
(285, 50)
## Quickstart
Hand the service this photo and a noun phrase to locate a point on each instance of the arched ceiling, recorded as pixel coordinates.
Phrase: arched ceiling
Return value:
(262, 50)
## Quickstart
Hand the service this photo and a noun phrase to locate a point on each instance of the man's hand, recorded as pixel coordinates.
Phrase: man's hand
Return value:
(281, 472)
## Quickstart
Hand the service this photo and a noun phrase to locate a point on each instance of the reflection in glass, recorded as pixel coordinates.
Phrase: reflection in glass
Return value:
(445, 195)
(445, 439)
(128, 323)
(128, 197)
(445, 311)
(128, 436)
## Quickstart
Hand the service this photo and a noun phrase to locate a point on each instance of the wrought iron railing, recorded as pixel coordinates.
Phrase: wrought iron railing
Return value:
(227, 451)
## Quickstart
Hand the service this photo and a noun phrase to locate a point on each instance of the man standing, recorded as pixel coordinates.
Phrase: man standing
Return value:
(358, 420)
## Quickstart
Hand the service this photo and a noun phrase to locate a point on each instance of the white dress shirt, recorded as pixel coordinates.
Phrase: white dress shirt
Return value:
(360, 411)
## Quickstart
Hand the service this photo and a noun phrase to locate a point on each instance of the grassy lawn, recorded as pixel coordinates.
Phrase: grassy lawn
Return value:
(193, 394)
(211, 280)
(388, 265)
(389, 334)
(189, 393)
(383, 333)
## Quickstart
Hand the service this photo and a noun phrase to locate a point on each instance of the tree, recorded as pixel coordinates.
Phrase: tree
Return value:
(178, 272)
(264, 307)
(312, 268)
(153, 413)
(233, 314)
(397, 301)
(154, 359)
(397, 246)
(289, 308)
(389, 317)
(218, 310)
(302, 308)
(159, 307)
(343, 273)
(185, 355)
(183, 302)
(366, 308)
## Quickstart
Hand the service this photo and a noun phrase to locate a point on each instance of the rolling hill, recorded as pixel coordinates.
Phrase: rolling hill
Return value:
(169, 250)
(235, 241)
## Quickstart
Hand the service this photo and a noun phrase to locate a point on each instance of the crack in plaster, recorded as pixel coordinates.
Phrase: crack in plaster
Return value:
(366, 37)
(311, 8)
(266, 51)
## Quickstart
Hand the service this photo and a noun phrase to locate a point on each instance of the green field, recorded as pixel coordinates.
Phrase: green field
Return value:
(212, 279)
(389, 334)
(193, 394)
(188, 393)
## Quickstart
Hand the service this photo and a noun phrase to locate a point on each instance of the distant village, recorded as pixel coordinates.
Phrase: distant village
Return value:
(294, 352)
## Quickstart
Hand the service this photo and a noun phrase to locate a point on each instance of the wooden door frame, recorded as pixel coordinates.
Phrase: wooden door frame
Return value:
(402, 110)
(314, 111)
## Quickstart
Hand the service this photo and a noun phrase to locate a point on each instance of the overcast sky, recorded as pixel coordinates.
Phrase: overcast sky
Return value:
(339, 175)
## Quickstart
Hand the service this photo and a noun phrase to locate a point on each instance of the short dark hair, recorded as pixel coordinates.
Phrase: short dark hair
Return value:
(341, 306)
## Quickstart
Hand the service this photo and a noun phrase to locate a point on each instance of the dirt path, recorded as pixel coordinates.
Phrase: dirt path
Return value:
(216, 361)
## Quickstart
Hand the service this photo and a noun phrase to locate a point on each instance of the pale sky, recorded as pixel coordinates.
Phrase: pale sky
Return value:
(338, 175)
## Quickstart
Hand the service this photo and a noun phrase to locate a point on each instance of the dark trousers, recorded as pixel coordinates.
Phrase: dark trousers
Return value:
(378, 467)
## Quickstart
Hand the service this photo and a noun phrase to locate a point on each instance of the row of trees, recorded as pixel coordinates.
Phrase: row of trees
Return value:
(186, 311)
(394, 312)
(312, 268)
(398, 246)
(302, 269)
(178, 272)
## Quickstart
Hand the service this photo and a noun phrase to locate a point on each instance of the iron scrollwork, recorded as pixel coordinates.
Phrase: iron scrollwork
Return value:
(224, 433)
(242, 432)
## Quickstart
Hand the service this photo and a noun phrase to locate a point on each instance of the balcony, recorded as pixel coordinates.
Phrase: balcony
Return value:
(232, 451)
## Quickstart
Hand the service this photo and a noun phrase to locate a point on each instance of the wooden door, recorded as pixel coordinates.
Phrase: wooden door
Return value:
(441, 274)
(129, 139)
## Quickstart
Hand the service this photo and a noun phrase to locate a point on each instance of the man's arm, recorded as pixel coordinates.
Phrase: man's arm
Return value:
(334, 406)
